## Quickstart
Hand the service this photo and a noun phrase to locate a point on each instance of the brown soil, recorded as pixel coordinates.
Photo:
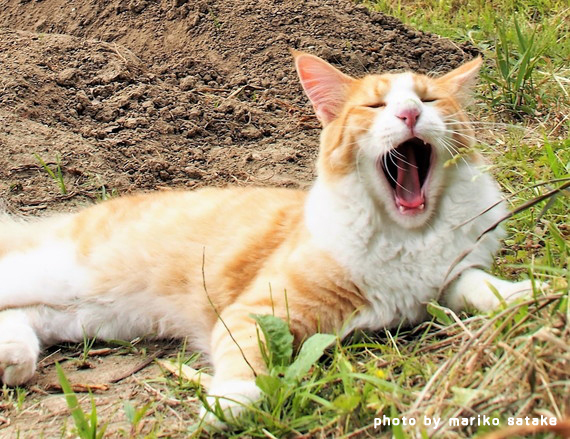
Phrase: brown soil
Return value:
(138, 95)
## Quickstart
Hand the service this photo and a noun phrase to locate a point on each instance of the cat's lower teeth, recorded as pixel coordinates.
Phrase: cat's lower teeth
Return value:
(403, 209)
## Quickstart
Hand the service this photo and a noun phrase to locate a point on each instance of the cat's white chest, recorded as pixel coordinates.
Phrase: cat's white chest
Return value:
(400, 278)
(400, 270)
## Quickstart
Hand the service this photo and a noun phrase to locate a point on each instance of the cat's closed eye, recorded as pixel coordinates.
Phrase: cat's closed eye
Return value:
(376, 105)
(428, 100)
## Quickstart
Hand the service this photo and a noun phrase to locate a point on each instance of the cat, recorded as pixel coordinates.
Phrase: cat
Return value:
(379, 234)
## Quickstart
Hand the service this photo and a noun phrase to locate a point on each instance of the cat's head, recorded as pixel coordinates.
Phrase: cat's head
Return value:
(393, 132)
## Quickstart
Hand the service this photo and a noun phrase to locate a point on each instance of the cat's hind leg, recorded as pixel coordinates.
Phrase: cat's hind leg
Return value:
(23, 331)
(19, 347)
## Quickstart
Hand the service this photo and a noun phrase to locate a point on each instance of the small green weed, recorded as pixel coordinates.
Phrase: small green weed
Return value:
(86, 347)
(215, 19)
(135, 416)
(57, 176)
(20, 397)
(14, 397)
(103, 194)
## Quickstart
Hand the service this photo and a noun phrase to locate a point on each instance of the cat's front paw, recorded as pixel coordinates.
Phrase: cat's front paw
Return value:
(520, 290)
(485, 292)
(17, 361)
(508, 291)
(232, 398)
(19, 348)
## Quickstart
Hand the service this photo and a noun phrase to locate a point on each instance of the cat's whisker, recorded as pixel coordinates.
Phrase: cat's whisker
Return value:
(449, 149)
(459, 127)
(483, 123)
(445, 142)
(461, 134)
(401, 157)
(391, 157)
(470, 123)
(454, 152)
(451, 145)
(387, 171)
(460, 144)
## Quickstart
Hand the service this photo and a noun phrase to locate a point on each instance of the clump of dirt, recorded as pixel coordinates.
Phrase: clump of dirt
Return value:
(130, 95)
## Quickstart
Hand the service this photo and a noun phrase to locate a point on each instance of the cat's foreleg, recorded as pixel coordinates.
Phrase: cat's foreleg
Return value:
(19, 347)
(237, 360)
(474, 288)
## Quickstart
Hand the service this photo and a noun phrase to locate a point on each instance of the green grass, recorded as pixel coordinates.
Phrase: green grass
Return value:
(525, 42)
(86, 425)
(476, 20)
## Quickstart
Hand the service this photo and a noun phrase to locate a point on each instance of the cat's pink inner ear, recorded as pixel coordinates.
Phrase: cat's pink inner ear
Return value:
(462, 79)
(325, 86)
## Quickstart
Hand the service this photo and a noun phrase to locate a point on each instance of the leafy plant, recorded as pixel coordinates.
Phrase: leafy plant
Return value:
(277, 351)
(299, 391)
(288, 386)
(278, 347)
(440, 313)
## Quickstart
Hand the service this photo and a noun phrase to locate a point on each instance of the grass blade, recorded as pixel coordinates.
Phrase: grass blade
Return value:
(79, 418)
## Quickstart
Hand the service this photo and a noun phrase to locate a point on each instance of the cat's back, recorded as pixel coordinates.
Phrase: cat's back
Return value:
(156, 242)
(204, 216)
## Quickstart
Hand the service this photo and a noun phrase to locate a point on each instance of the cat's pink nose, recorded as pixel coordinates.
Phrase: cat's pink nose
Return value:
(409, 116)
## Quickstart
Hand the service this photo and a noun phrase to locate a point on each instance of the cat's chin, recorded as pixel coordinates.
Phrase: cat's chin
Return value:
(410, 218)
(406, 170)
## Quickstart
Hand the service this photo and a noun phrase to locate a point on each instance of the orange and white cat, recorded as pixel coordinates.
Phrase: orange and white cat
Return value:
(366, 247)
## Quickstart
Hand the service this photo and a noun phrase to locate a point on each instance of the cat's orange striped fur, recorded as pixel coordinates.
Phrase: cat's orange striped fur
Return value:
(366, 247)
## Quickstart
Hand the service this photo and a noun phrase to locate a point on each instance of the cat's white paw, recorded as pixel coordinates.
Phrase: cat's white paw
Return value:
(511, 291)
(19, 349)
(17, 361)
(233, 397)
(475, 288)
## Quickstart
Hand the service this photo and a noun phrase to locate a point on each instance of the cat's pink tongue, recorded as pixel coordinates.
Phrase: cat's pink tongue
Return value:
(408, 189)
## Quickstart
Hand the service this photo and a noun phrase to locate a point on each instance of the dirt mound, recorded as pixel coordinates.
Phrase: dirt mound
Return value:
(134, 94)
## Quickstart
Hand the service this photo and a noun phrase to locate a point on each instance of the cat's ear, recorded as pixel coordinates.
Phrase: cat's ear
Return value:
(461, 80)
(326, 86)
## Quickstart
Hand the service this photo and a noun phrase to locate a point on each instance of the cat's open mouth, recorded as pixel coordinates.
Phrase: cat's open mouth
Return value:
(407, 169)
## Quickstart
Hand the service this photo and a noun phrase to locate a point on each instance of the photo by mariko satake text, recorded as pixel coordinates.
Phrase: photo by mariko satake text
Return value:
(479, 420)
